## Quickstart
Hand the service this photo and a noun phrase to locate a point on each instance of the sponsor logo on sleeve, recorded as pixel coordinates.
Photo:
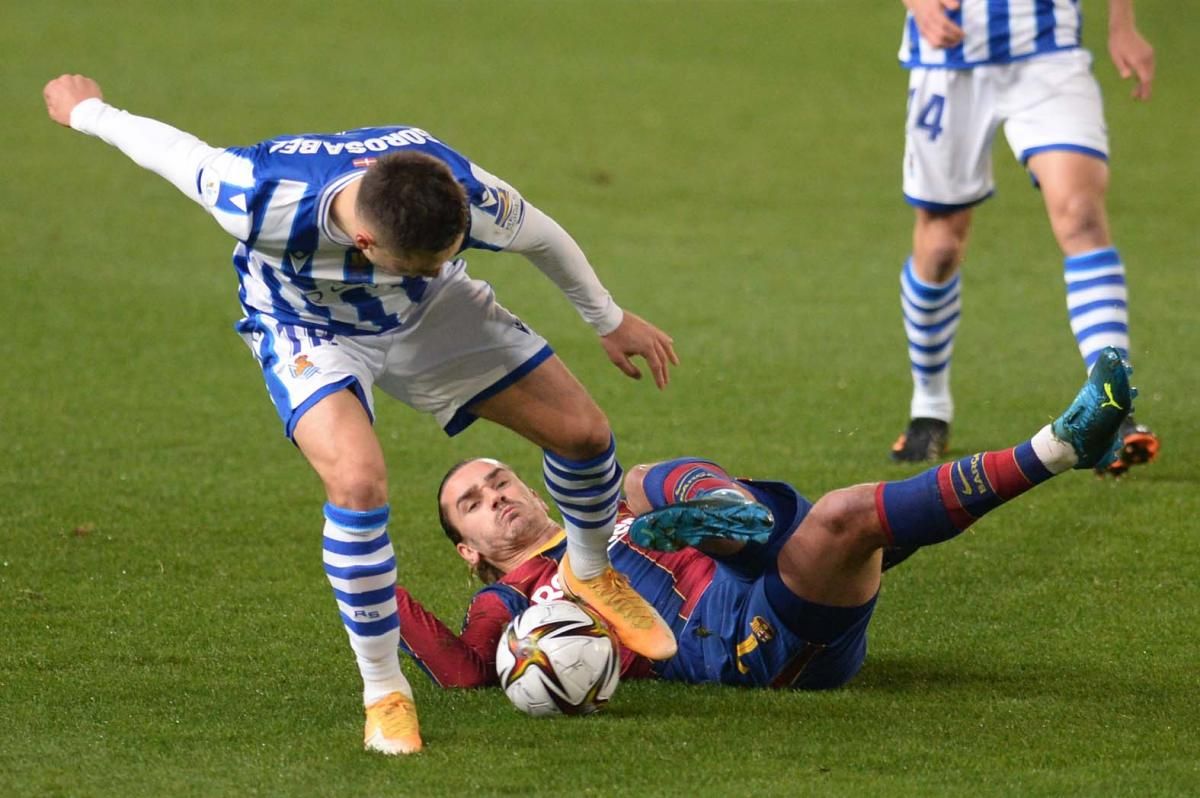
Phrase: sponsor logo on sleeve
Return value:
(210, 187)
(505, 206)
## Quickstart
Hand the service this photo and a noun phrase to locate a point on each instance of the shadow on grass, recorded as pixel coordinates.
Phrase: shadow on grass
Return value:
(916, 674)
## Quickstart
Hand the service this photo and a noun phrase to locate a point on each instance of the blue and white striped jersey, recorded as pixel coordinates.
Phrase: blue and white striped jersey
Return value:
(295, 265)
(997, 32)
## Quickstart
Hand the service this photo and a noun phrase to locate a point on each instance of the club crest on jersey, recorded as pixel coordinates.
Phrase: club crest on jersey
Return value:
(303, 368)
(763, 632)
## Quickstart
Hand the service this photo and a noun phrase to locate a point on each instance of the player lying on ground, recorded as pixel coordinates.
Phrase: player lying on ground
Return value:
(349, 278)
(752, 602)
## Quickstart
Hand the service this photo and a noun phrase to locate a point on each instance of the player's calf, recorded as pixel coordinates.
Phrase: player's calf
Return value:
(943, 501)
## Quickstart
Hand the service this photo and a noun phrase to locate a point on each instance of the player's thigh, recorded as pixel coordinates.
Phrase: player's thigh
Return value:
(833, 557)
(338, 440)
(549, 407)
(949, 130)
(320, 384)
(1053, 103)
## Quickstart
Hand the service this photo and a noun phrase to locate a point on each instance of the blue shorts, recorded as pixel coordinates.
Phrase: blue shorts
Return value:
(737, 635)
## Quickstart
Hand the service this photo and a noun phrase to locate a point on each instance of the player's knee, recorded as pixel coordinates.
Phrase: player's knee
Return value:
(938, 260)
(939, 243)
(635, 491)
(841, 517)
(588, 436)
(357, 488)
(634, 478)
(1080, 223)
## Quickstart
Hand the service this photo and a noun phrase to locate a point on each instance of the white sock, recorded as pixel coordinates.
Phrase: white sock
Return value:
(930, 322)
(586, 493)
(1097, 302)
(1056, 455)
(361, 567)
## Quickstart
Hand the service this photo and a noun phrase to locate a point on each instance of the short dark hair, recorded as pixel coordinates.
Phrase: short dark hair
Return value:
(483, 570)
(413, 203)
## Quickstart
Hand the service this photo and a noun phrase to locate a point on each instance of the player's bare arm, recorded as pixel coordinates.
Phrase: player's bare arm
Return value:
(636, 336)
(935, 26)
(65, 92)
(1131, 54)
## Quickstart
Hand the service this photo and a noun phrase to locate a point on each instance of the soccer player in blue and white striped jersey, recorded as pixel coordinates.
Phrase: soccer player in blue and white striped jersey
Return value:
(349, 278)
(977, 65)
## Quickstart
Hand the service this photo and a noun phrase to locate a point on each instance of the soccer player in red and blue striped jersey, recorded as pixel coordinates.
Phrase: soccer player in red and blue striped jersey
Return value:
(760, 586)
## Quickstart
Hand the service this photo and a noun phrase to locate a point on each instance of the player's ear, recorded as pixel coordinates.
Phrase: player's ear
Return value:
(467, 553)
(363, 240)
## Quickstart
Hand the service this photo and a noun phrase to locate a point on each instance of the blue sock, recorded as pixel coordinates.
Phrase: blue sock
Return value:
(683, 479)
(941, 502)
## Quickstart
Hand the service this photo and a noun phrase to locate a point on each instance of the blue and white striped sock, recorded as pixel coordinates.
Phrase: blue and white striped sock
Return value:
(586, 493)
(930, 321)
(1097, 302)
(361, 567)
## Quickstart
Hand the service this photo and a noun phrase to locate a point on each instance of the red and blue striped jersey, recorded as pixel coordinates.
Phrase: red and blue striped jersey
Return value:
(672, 581)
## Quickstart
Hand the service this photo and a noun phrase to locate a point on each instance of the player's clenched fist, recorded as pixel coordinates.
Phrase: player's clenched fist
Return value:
(65, 92)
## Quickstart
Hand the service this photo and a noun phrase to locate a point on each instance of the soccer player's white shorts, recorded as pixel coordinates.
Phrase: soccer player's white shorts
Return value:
(1049, 102)
(466, 347)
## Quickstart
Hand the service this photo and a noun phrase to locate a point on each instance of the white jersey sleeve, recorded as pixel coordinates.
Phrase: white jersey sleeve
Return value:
(497, 209)
(174, 154)
(549, 247)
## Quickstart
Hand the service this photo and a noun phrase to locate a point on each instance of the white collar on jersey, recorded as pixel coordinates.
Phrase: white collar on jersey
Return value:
(324, 218)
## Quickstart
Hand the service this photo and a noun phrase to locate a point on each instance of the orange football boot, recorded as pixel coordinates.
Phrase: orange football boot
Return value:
(392, 726)
(638, 625)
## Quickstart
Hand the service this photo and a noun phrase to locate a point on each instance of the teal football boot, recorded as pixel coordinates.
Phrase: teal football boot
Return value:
(1092, 421)
(727, 516)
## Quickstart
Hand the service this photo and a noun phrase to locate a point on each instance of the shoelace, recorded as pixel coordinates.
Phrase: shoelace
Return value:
(614, 589)
(397, 717)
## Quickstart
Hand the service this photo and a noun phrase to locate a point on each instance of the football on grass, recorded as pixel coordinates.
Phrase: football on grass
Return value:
(558, 658)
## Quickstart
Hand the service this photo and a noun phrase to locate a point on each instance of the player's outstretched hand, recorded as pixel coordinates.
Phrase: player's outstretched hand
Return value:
(67, 91)
(932, 22)
(1133, 57)
(636, 336)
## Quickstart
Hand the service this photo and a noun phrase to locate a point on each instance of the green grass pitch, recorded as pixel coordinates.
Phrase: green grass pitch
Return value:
(732, 169)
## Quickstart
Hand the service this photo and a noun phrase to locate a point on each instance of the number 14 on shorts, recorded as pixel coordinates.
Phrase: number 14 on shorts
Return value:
(929, 116)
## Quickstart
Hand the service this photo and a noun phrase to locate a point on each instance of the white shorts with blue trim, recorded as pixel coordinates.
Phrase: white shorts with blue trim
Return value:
(464, 347)
(1048, 102)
